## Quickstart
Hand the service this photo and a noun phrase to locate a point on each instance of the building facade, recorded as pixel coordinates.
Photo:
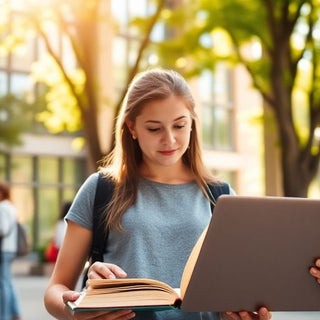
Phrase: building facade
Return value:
(46, 170)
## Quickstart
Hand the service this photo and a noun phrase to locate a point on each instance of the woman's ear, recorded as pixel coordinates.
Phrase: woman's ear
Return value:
(130, 125)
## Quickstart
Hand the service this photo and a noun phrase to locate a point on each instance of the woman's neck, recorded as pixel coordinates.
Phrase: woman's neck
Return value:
(171, 175)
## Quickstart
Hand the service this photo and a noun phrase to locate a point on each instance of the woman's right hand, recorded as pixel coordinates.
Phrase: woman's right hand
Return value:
(96, 315)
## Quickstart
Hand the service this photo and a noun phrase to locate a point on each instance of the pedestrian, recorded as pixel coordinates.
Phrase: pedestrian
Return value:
(9, 305)
(54, 245)
(159, 207)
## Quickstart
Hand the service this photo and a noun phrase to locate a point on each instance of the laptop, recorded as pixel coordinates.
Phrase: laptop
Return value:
(257, 252)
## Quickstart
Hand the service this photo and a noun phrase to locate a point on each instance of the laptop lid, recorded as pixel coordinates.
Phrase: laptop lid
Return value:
(257, 252)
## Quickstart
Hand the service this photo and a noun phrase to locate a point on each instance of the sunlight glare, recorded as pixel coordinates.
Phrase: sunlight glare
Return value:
(153, 59)
(222, 43)
(304, 65)
(317, 133)
(181, 62)
(298, 41)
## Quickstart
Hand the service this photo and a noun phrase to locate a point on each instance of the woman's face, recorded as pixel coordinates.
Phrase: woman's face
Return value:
(163, 130)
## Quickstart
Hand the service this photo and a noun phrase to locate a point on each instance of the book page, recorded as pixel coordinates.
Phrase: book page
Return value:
(126, 294)
(191, 263)
(128, 284)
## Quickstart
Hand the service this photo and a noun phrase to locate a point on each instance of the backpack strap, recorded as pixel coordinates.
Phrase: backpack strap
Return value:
(216, 190)
(104, 192)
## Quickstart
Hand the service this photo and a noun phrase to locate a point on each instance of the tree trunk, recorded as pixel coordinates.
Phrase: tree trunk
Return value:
(87, 30)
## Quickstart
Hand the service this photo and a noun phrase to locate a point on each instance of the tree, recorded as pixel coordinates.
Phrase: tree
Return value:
(73, 97)
(11, 122)
(287, 73)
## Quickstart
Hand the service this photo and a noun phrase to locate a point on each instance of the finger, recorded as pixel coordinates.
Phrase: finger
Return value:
(105, 270)
(264, 314)
(100, 270)
(117, 270)
(244, 315)
(232, 315)
(315, 272)
(70, 296)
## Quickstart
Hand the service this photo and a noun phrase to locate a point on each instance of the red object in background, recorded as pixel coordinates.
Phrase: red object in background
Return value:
(51, 253)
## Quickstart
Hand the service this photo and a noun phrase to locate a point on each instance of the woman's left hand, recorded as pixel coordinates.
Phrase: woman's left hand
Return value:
(262, 314)
(315, 270)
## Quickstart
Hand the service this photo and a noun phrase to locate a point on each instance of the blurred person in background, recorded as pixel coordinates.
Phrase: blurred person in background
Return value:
(59, 232)
(9, 306)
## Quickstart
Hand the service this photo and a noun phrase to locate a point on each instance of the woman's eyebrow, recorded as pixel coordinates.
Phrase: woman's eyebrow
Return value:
(155, 121)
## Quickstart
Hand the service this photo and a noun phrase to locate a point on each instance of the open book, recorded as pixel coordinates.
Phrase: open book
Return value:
(135, 294)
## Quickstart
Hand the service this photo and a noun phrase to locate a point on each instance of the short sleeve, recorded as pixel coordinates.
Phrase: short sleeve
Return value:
(81, 209)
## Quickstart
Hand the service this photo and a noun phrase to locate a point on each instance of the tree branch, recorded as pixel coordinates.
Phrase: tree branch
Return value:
(272, 23)
(58, 62)
(266, 97)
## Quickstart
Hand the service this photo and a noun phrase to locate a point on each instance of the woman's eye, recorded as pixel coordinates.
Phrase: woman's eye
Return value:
(179, 126)
(153, 129)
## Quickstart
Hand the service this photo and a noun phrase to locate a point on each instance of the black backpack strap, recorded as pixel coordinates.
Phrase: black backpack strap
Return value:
(104, 192)
(103, 196)
(216, 190)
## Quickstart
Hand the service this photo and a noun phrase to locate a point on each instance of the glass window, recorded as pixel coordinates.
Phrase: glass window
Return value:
(22, 197)
(20, 84)
(120, 58)
(3, 166)
(23, 57)
(138, 8)
(119, 50)
(119, 10)
(48, 170)
(133, 51)
(217, 112)
(73, 170)
(205, 84)
(222, 129)
(49, 209)
(227, 176)
(207, 117)
(221, 85)
(3, 83)
(68, 57)
(21, 169)
(158, 33)
(68, 194)
(3, 60)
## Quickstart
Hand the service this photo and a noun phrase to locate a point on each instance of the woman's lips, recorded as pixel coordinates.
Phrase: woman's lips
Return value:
(167, 152)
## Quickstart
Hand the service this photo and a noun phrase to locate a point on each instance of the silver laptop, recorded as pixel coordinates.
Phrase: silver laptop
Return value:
(257, 252)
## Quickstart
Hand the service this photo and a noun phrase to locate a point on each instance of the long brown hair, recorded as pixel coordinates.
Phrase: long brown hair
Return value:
(122, 165)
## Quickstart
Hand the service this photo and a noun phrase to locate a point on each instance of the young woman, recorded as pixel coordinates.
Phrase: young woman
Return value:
(160, 198)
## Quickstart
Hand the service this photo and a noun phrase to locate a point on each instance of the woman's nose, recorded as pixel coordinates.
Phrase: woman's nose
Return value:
(168, 137)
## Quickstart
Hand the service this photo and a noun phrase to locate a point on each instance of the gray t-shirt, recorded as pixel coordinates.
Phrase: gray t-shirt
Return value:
(160, 230)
